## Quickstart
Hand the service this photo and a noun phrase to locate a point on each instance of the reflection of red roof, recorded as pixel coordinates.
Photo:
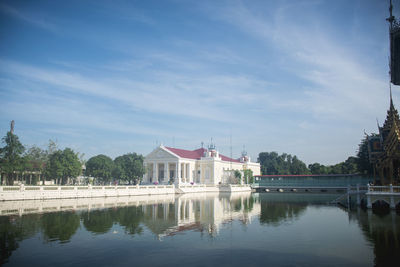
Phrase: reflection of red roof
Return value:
(195, 154)
(183, 228)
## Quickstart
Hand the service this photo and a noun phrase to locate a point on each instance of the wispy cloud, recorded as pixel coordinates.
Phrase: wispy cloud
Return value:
(168, 93)
(339, 84)
(277, 75)
(29, 18)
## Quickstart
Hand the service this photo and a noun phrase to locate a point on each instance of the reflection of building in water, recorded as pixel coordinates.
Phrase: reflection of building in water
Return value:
(383, 232)
(162, 214)
(19, 207)
(200, 212)
(201, 166)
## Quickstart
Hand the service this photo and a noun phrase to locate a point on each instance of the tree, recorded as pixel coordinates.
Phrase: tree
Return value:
(350, 165)
(10, 157)
(317, 168)
(238, 176)
(363, 164)
(129, 167)
(63, 166)
(35, 161)
(273, 163)
(100, 167)
(297, 167)
(248, 176)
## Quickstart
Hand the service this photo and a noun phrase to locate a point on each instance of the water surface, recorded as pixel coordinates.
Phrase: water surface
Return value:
(276, 229)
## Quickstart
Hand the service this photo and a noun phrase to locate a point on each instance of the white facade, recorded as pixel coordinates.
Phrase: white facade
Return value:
(166, 165)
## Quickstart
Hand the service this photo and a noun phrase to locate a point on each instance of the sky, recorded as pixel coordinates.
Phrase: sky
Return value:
(304, 77)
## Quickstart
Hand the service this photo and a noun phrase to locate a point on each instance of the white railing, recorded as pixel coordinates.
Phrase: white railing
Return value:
(23, 192)
(389, 189)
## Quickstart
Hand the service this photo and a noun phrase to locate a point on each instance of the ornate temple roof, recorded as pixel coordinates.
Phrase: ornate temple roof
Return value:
(392, 115)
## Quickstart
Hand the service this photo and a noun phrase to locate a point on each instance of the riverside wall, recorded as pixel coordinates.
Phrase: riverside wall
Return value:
(8, 193)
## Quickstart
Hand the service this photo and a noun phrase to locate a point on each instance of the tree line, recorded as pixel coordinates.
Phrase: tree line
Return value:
(285, 164)
(127, 168)
(29, 166)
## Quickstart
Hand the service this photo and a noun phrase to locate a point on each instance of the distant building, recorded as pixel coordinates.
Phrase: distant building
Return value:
(384, 149)
(201, 166)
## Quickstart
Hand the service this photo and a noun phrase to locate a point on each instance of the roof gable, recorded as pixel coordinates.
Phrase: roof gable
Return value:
(196, 154)
(161, 153)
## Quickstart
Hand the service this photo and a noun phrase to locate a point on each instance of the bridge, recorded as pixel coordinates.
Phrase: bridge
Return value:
(309, 183)
(383, 196)
(357, 185)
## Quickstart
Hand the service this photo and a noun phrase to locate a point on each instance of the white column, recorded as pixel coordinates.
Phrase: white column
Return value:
(188, 173)
(184, 173)
(154, 172)
(166, 172)
(178, 172)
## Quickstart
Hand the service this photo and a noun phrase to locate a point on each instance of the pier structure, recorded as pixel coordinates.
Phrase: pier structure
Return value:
(311, 183)
(383, 194)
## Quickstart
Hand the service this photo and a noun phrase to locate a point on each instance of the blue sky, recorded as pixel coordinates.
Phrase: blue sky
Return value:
(112, 77)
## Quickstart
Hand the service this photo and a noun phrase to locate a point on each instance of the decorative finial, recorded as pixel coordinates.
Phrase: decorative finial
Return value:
(391, 18)
(212, 145)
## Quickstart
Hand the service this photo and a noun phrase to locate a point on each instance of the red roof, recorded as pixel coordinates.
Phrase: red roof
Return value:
(195, 154)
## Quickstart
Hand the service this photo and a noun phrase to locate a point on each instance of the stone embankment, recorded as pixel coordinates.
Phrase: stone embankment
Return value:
(59, 192)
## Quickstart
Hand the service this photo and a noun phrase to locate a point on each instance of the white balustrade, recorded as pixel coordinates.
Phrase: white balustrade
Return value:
(60, 192)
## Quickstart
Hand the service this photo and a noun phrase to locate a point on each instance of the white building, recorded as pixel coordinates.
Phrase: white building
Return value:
(201, 166)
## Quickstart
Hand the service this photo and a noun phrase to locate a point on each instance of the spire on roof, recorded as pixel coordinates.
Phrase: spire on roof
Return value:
(391, 99)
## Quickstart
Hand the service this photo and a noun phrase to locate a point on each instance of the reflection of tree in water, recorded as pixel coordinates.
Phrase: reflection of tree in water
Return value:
(97, 221)
(13, 230)
(59, 225)
(130, 218)
(384, 233)
(275, 213)
(248, 203)
(101, 221)
(161, 219)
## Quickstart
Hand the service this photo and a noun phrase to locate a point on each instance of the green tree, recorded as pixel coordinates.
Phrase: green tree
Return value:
(350, 166)
(248, 176)
(11, 158)
(316, 168)
(273, 163)
(297, 167)
(363, 164)
(100, 167)
(35, 161)
(63, 166)
(129, 167)
(238, 176)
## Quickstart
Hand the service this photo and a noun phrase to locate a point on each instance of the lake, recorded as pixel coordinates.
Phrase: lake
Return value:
(241, 229)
